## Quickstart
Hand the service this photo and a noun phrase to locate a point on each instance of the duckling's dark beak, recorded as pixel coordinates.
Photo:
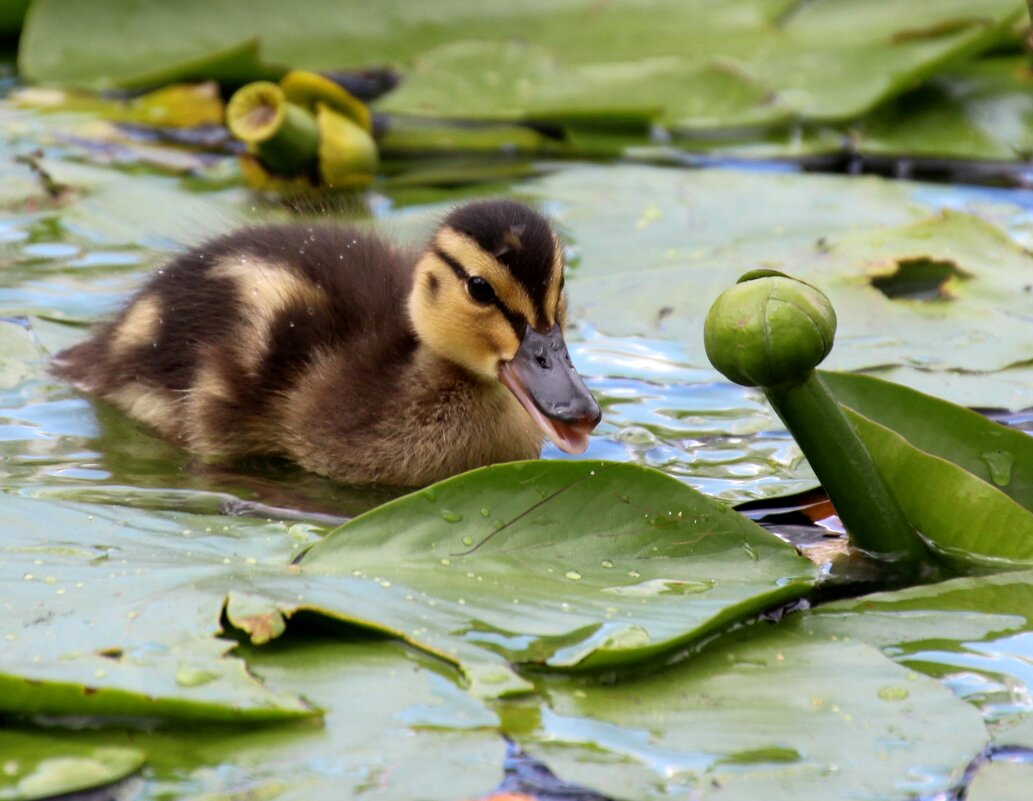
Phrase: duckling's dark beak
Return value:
(546, 383)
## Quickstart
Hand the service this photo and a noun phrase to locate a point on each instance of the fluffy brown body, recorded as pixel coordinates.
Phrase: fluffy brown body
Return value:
(297, 341)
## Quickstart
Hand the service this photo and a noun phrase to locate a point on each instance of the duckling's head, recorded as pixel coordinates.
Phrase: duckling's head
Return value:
(488, 295)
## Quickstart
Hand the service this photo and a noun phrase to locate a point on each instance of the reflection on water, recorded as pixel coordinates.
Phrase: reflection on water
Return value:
(719, 438)
(996, 675)
(658, 411)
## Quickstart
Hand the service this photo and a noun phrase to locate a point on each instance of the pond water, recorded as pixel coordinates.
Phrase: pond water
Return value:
(68, 260)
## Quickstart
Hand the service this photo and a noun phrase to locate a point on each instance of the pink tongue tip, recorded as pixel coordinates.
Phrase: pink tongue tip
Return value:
(568, 438)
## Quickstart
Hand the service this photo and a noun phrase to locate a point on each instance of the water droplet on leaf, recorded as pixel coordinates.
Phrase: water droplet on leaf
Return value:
(893, 693)
(188, 676)
(1000, 464)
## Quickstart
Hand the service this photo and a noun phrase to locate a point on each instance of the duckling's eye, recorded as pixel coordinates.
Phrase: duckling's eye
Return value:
(480, 290)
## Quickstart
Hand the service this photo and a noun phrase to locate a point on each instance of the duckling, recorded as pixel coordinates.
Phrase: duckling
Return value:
(351, 356)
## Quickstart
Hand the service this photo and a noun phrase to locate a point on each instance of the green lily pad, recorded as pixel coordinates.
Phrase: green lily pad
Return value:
(973, 633)
(112, 611)
(396, 726)
(764, 711)
(982, 109)
(526, 82)
(482, 570)
(1000, 456)
(668, 60)
(949, 613)
(965, 518)
(561, 564)
(1001, 781)
(34, 768)
(654, 247)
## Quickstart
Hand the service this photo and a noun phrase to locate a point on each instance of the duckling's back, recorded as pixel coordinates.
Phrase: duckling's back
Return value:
(210, 348)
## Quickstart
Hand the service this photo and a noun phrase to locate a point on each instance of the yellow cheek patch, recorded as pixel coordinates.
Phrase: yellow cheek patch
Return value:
(476, 261)
(265, 289)
(139, 326)
(476, 337)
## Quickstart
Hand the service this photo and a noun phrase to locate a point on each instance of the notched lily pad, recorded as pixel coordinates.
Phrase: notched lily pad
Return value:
(919, 279)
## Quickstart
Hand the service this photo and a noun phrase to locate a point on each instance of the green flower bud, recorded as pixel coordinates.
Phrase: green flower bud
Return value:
(769, 330)
(284, 136)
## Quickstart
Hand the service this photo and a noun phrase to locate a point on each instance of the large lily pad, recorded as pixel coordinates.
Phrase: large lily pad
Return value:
(974, 633)
(563, 564)
(765, 712)
(110, 611)
(957, 611)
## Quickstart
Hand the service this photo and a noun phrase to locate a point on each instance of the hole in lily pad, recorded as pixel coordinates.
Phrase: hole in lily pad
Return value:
(919, 279)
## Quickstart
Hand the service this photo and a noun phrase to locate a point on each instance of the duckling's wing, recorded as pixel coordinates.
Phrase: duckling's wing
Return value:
(215, 339)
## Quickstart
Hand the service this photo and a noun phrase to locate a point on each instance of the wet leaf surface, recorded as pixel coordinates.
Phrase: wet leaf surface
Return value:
(395, 727)
(961, 480)
(118, 612)
(999, 456)
(972, 633)
(765, 711)
(35, 769)
(1001, 781)
(494, 561)
(111, 611)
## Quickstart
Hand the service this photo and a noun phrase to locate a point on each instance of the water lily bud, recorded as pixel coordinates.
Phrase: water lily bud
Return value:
(347, 153)
(769, 330)
(283, 135)
(309, 89)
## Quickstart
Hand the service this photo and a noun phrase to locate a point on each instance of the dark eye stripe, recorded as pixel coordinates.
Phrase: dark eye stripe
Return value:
(516, 320)
(457, 268)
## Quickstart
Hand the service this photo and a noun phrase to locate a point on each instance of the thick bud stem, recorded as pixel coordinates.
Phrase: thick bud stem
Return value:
(864, 502)
(771, 331)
